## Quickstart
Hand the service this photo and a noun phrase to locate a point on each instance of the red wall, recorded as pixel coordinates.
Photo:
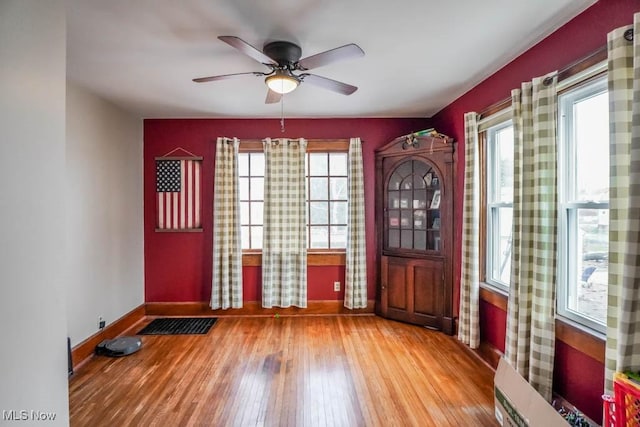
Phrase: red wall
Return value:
(178, 265)
(575, 40)
(493, 325)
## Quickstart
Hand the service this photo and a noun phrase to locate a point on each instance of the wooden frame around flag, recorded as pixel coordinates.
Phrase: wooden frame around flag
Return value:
(179, 192)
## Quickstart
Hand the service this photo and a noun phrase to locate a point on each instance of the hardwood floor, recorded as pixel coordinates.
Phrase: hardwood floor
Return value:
(288, 371)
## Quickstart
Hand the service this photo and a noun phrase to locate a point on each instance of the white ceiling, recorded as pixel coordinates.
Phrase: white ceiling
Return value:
(420, 54)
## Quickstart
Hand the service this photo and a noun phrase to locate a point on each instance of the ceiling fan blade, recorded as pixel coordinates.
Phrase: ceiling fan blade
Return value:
(338, 54)
(225, 77)
(330, 84)
(247, 49)
(273, 97)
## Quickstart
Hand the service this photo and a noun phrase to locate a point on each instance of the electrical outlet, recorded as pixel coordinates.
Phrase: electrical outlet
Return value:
(101, 322)
(336, 286)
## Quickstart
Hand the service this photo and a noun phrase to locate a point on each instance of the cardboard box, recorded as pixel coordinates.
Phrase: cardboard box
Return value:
(519, 404)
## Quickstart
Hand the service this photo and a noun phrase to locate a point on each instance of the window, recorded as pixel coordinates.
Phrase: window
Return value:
(499, 143)
(327, 194)
(251, 193)
(583, 203)
(327, 200)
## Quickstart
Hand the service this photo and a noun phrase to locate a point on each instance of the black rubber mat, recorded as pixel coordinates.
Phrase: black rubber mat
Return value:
(179, 326)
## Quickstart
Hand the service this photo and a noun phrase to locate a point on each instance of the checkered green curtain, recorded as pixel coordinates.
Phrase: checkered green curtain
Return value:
(355, 291)
(226, 289)
(530, 340)
(623, 314)
(284, 247)
(468, 324)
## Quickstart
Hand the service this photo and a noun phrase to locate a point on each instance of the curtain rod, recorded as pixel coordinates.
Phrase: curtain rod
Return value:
(337, 140)
(570, 70)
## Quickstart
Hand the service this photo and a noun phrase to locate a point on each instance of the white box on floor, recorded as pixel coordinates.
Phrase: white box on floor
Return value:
(519, 404)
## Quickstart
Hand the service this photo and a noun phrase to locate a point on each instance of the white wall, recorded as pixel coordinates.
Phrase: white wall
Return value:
(33, 330)
(104, 212)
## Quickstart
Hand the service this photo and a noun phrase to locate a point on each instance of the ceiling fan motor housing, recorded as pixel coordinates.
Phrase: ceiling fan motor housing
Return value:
(285, 53)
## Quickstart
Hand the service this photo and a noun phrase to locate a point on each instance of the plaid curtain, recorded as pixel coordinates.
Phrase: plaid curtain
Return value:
(355, 291)
(468, 324)
(530, 340)
(226, 290)
(284, 247)
(623, 313)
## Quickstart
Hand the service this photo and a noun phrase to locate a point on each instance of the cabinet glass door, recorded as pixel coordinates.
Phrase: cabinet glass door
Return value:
(413, 207)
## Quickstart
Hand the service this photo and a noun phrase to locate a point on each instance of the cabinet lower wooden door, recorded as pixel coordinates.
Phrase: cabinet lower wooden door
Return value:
(412, 290)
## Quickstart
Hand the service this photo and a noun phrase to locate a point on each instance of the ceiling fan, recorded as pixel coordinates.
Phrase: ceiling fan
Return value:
(283, 58)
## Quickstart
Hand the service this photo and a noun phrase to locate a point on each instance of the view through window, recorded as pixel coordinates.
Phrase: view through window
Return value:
(499, 204)
(327, 194)
(584, 203)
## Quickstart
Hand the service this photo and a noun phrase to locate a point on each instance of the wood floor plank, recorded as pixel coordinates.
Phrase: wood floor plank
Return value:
(288, 371)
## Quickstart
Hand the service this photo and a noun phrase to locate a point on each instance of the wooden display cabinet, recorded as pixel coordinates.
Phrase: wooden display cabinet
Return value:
(414, 212)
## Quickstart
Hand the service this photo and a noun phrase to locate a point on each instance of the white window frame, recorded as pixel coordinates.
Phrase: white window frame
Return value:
(493, 206)
(569, 204)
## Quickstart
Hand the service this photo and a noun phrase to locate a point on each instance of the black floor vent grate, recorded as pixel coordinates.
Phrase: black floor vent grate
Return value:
(179, 326)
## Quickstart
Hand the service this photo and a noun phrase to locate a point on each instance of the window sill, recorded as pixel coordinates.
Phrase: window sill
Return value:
(315, 258)
(494, 296)
(586, 341)
(582, 339)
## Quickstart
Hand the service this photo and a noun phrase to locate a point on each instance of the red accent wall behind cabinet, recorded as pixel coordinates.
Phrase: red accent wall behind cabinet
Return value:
(178, 265)
(575, 40)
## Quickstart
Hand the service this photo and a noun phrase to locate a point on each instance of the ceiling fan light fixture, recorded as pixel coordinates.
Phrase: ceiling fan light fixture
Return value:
(282, 82)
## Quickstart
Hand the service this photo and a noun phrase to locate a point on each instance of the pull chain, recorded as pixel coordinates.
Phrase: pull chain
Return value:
(282, 114)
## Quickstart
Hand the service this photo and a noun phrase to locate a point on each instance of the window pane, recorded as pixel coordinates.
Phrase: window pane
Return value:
(338, 212)
(318, 188)
(257, 164)
(318, 164)
(504, 153)
(339, 237)
(501, 244)
(338, 188)
(420, 168)
(499, 204)
(256, 237)
(418, 181)
(421, 240)
(406, 239)
(588, 280)
(592, 147)
(404, 169)
(243, 191)
(244, 213)
(394, 219)
(319, 213)
(394, 238)
(406, 218)
(583, 199)
(243, 164)
(419, 219)
(256, 213)
(394, 181)
(244, 237)
(257, 188)
(319, 237)
(394, 199)
(338, 164)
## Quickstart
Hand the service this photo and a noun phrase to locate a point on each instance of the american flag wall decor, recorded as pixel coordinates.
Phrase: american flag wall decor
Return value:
(178, 193)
